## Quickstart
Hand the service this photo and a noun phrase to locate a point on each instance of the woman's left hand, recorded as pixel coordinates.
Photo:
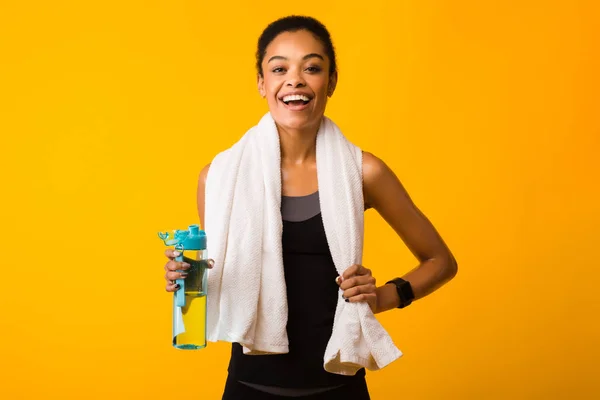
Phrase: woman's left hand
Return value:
(359, 285)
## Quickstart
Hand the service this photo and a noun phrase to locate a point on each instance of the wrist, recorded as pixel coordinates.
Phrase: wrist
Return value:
(387, 298)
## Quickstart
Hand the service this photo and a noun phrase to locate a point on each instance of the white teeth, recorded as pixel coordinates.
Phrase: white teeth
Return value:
(293, 97)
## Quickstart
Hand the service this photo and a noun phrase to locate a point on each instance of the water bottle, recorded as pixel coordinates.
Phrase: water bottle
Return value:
(189, 301)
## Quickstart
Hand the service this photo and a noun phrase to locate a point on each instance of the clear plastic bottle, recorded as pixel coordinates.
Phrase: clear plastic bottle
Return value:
(189, 301)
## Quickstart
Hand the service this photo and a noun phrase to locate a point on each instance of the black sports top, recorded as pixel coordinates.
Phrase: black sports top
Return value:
(312, 296)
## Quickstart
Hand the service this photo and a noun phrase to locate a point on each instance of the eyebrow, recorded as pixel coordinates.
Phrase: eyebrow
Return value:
(306, 57)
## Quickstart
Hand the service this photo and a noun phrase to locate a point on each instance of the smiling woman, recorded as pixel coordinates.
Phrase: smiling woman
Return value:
(296, 74)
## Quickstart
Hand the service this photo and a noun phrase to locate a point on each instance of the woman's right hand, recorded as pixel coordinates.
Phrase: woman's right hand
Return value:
(172, 266)
(170, 270)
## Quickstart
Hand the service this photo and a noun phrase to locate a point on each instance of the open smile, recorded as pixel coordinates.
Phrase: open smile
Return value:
(296, 102)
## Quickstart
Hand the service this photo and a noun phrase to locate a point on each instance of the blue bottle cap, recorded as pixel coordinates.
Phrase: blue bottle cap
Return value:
(191, 239)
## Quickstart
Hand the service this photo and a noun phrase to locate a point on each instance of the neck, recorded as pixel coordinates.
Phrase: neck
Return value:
(298, 145)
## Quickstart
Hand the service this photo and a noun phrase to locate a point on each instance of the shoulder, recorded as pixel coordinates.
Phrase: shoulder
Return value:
(204, 174)
(202, 182)
(373, 167)
(378, 179)
(200, 199)
(221, 158)
(375, 172)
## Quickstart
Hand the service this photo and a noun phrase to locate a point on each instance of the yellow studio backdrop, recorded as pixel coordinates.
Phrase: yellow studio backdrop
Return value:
(487, 111)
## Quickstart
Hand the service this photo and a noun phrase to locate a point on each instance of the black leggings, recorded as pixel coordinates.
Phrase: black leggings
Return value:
(356, 390)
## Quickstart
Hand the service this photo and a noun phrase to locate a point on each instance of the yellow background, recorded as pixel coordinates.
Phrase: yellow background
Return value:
(487, 111)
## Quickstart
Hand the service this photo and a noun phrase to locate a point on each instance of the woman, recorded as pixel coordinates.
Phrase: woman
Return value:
(297, 74)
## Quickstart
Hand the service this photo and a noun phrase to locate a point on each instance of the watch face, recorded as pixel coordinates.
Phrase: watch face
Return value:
(405, 292)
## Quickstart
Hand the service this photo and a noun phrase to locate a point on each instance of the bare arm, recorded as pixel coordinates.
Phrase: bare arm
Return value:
(385, 193)
(201, 194)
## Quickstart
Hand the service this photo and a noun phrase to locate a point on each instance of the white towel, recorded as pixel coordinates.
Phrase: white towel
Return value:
(246, 301)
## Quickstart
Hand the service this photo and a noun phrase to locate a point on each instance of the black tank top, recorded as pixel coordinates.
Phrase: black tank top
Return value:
(312, 296)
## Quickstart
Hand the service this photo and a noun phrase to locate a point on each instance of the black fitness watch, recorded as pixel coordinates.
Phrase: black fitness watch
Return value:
(404, 290)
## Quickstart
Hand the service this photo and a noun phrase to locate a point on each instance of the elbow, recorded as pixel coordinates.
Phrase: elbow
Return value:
(452, 267)
(448, 268)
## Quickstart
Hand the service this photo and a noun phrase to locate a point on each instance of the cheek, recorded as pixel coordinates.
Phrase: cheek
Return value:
(272, 87)
(273, 101)
(321, 87)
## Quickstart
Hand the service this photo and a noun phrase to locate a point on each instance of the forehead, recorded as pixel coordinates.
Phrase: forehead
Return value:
(295, 45)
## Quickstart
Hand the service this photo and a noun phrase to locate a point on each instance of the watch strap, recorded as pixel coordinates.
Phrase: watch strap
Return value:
(405, 292)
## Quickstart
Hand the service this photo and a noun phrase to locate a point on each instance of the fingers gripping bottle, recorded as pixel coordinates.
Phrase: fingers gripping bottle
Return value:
(189, 301)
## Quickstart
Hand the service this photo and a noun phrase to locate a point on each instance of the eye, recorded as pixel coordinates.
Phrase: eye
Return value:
(277, 70)
(313, 69)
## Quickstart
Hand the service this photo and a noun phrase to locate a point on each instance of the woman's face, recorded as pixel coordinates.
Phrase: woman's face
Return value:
(296, 81)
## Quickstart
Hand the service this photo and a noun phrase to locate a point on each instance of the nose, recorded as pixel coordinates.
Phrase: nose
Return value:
(295, 79)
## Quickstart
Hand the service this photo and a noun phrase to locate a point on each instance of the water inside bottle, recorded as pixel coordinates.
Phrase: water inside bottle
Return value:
(194, 314)
(194, 311)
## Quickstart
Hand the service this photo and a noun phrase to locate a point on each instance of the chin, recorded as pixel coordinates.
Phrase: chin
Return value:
(297, 122)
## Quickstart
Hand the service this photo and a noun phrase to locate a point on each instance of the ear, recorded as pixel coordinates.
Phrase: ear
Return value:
(260, 83)
(332, 83)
